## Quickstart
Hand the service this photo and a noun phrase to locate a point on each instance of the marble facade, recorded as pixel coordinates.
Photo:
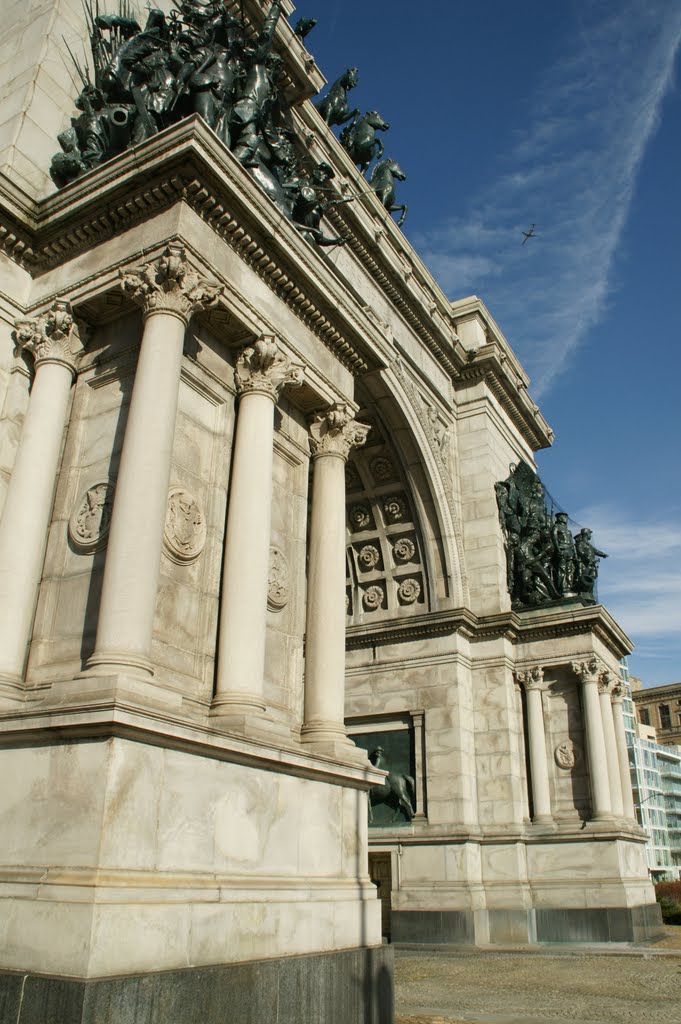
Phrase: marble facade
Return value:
(247, 492)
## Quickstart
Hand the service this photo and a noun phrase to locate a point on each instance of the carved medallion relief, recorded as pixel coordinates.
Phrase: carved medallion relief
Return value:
(185, 530)
(278, 581)
(91, 518)
(566, 755)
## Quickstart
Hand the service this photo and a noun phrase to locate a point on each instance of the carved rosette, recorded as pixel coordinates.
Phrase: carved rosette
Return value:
(91, 518)
(369, 557)
(373, 598)
(184, 536)
(360, 517)
(531, 678)
(589, 670)
(409, 591)
(278, 580)
(336, 432)
(52, 337)
(382, 469)
(404, 550)
(395, 509)
(170, 285)
(262, 368)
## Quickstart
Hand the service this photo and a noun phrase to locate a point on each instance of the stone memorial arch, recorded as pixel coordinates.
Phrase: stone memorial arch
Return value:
(279, 588)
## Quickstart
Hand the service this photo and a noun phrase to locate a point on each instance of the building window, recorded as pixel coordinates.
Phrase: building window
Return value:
(644, 716)
(665, 716)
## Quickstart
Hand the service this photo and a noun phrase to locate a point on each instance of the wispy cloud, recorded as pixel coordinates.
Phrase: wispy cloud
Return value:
(641, 581)
(573, 170)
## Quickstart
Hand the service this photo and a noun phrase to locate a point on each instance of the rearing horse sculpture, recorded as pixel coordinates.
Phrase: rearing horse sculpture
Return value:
(398, 791)
(334, 107)
(382, 181)
(359, 138)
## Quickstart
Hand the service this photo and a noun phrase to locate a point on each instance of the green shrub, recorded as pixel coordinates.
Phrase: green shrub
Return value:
(670, 907)
(672, 890)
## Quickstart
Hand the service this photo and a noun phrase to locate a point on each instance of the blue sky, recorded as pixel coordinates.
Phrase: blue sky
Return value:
(567, 115)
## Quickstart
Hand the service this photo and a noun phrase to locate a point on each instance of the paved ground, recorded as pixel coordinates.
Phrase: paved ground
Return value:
(624, 985)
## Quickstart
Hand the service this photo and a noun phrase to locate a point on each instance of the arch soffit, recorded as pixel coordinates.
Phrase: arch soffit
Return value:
(404, 412)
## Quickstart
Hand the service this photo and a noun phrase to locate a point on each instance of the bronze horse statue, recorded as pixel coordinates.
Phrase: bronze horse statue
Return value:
(334, 108)
(359, 138)
(382, 182)
(398, 791)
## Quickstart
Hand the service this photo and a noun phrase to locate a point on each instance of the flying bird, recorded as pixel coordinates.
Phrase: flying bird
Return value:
(530, 233)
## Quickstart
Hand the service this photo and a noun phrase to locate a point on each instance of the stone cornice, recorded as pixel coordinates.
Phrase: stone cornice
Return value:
(31, 725)
(536, 626)
(657, 694)
(188, 164)
(490, 365)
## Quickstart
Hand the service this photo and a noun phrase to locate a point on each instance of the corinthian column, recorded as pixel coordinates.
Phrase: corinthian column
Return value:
(617, 693)
(604, 683)
(261, 373)
(169, 292)
(533, 681)
(53, 341)
(332, 435)
(589, 672)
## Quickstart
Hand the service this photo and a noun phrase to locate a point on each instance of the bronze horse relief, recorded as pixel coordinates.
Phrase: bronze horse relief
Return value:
(334, 107)
(382, 182)
(359, 138)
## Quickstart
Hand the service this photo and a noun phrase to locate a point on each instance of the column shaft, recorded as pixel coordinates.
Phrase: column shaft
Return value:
(28, 510)
(541, 794)
(332, 435)
(595, 746)
(611, 752)
(325, 637)
(243, 612)
(170, 291)
(261, 372)
(128, 601)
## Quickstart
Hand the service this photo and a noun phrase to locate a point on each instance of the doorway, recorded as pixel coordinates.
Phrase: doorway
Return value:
(380, 873)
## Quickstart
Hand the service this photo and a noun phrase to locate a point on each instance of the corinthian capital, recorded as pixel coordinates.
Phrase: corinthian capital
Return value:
(52, 337)
(588, 670)
(605, 681)
(263, 369)
(335, 432)
(170, 285)
(531, 678)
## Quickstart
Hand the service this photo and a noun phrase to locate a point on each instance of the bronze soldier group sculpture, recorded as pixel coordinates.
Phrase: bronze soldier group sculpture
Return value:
(544, 561)
(202, 59)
